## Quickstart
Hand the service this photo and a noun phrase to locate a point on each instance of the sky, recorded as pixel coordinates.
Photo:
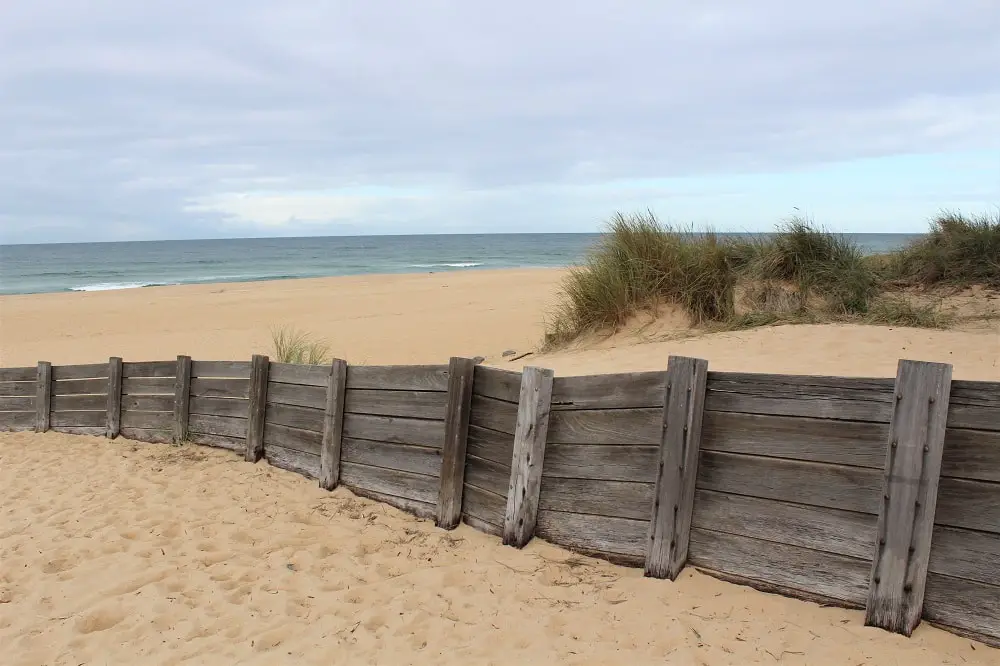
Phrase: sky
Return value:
(125, 120)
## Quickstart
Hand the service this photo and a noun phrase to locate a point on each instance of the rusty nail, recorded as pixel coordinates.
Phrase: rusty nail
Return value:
(899, 396)
(931, 399)
(881, 542)
(926, 448)
(907, 587)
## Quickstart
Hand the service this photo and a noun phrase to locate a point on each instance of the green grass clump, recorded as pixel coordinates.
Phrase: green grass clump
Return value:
(888, 310)
(291, 345)
(959, 251)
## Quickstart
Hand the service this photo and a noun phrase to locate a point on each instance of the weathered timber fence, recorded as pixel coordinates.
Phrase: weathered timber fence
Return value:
(881, 494)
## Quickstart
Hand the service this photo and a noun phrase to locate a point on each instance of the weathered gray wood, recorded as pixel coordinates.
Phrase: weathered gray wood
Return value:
(306, 464)
(147, 435)
(221, 369)
(482, 525)
(842, 532)
(304, 418)
(491, 445)
(23, 374)
(790, 395)
(488, 475)
(146, 386)
(906, 518)
(411, 506)
(151, 420)
(24, 404)
(529, 455)
(43, 396)
(306, 441)
(88, 371)
(798, 438)
(19, 389)
(258, 404)
(13, 421)
(149, 369)
(594, 534)
(182, 398)
(297, 395)
(973, 505)
(965, 554)
(456, 439)
(964, 604)
(93, 431)
(484, 506)
(394, 429)
(618, 499)
(975, 417)
(497, 383)
(419, 487)
(627, 390)
(637, 464)
(398, 377)
(81, 387)
(805, 572)
(628, 427)
(114, 399)
(293, 373)
(219, 406)
(817, 484)
(333, 425)
(672, 499)
(493, 414)
(235, 444)
(413, 404)
(217, 425)
(220, 388)
(404, 457)
(79, 419)
(965, 392)
(145, 403)
(971, 454)
(974, 405)
(68, 403)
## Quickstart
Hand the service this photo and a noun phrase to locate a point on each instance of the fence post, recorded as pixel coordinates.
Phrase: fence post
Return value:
(449, 505)
(259, 366)
(909, 496)
(43, 396)
(333, 426)
(182, 398)
(114, 397)
(680, 442)
(529, 454)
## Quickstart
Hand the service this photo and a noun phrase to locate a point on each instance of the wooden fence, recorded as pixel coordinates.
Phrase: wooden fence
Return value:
(881, 494)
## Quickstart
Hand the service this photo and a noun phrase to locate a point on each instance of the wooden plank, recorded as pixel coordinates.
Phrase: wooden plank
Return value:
(974, 405)
(306, 464)
(146, 435)
(906, 518)
(975, 417)
(19, 389)
(414, 404)
(416, 459)
(493, 414)
(456, 439)
(497, 383)
(13, 421)
(43, 396)
(637, 464)
(393, 482)
(618, 499)
(971, 454)
(220, 388)
(488, 475)
(809, 573)
(152, 420)
(394, 429)
(258, 405)
(529, 455)
(297, 395)
(484, 506)
(482, 525)
(491, 445)
(147, 386)
(81, 419)
(114, 399)
(80, 387)
(182, 398)
(65, 403)
(221, 369)
(23, 374)
(966, 392)
(628, 427)
(25, 404)
(398, 377)
(306, 441)
(816, 484)
(218, 425)
(91, 431)
(799, 438)
(219, 406)
(594, 534)
(417, 508)
(303, 418)
(149, 369)
(294, 373)
(829, 530)
(965, 554)
(236, 444)
(627, 390)
(88, 371)
(146, 403)
(333, 425)
(974, 505)
(964, 604)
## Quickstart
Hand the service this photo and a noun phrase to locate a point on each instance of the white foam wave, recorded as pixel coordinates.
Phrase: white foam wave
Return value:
(457, 264)
(109, 286)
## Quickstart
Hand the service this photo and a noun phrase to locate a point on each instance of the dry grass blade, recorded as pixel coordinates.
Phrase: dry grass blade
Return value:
(291, 345)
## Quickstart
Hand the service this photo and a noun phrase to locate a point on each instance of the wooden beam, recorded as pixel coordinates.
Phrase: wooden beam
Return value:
(456, 436)
(673, 499)
(333, 426)
(909, 498)
(258, 403)
(114, 397)
(43, 396)
(530, 433)
(182, 398)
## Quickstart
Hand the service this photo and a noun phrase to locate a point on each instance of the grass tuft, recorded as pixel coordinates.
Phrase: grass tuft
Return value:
(291, 345)
(959, 251)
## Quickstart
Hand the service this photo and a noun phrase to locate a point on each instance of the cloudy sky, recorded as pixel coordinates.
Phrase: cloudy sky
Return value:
(123, 120)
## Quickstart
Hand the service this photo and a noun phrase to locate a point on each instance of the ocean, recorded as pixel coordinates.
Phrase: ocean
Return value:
(28, 269)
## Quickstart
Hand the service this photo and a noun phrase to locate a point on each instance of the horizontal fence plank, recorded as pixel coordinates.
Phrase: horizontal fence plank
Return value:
(303, 418)
(830, 530)
(22, 404)
(496, 383)
(147, 435)
(23, 374)
(405, 457)
(393, 482)
(487, 475)
(80, 387)
(629, 427)
(147, 386)
(91, 431)
(394, 429)
(983, 394)
(594, 534)
(237, 407)
(411, 506)
(965, 554)
(217, 425)
(415, 404)
(149, 369)
(148, 403)
(237, 444)
(295, 439)
(151, 420)
(88, 371)
(297, 395)
(628, 390)
(482, 525)
(18, 389)
(493, 414)
(306, 464)
(764, 563)
(483, 505)
(974, 505)
(817, 484)
(490, 445)
(221, 369)
(617, 499)
(294, 373)
(220, 388)
(79, 418)
(799, 438)
(971, 454)
(63, 403)
(398, 377)
(11, 421)
(974, 416)
(637, 464)
(963, 604)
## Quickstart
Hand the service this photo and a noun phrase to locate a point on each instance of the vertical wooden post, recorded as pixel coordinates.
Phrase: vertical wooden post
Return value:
(182, 398)
(529, 454)
(449, 505)
(259, 366)
(333, 426)
(673, 501)
(43, 396)
(909, 496)
(114, 397)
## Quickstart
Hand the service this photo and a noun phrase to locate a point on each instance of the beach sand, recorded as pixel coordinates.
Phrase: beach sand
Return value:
(115, 552)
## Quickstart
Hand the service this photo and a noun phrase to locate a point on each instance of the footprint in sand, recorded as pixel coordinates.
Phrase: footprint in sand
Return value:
(100, 619)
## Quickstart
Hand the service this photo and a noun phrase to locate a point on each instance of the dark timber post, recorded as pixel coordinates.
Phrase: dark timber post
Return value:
(333, 426)
(43, 396)
(673, 501)
(182, 397)
(529, 453)
(259, 366)
(449, 505)
(114, 397)
(909, 496)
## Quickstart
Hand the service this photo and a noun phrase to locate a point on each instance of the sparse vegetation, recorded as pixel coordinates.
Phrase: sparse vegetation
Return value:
(291, 345)
(959, 251)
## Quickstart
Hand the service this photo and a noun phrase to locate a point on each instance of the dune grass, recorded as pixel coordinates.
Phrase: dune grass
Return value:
(292, 345)
(959, 251)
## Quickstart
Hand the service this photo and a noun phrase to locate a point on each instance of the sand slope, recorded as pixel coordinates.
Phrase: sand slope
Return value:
(127, 553)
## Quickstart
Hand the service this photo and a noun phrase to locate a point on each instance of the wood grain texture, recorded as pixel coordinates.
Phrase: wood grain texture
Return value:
(182, 398)
(965, 554)
(19, 389)
(398, 377)
(488, 475)
(491, 445)
(529, 454)
(147, 403)
(456, 434)
(628, 390)
(306, 464)
(23, 374)
(24, 404)
(594, 534)
(43, 396)
(954, 602)
(497, 383)
(412, 404)
(149, 369)
(974, 405)
(304, 418)
(221, 369)
(411, 506)
(331, 450)
(88, 371)
(114, 399)
(16, 421)
(493, 414)
(218, 425)
(151, 420)
(297, 395)
(220, 388)
(626, 427)
(306, 441)
(79, 419)
(481, 525)
(147, 435)
(971, 454)
(393, 482)
(617, 499)
(404, 457)
(394, 429)
(256, 410)
(235, 444)
(90, 431)
(974, 417)
(974, 505)
(237, 407)
(293, 373)
(145, 386)
(484, 506)
(65, 403)
(81, 387)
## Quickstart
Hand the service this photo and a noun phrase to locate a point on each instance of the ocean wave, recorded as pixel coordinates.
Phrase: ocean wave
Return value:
(457, 264)
(110, 286)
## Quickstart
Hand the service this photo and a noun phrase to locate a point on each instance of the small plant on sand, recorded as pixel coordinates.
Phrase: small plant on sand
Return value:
(291, 345)
(897, 310)
(959, 251)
